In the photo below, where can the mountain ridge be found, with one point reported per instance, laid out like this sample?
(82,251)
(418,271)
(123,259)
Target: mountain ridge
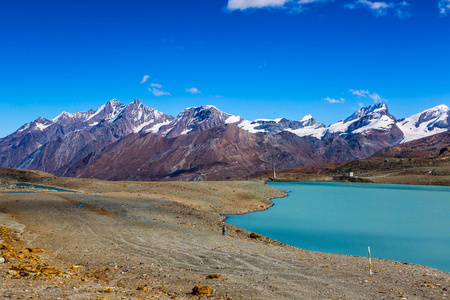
(71,143)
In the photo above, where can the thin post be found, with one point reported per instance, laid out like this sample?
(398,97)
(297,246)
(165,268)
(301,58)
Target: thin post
(273,167)
(370,264)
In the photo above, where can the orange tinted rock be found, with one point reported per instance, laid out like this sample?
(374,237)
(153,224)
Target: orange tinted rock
(201,290)
(50,271)
(35,250)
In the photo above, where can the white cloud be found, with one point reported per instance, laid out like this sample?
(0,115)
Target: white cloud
(193,90)
(257,4)
(376,98)
(156,85)
(365,94)
(156,91)
(331,100)
(444,7)
(145,78)
(244,4)
(360,93)
(382,8)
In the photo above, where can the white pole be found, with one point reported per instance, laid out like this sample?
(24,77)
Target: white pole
(370,264)
(273,166)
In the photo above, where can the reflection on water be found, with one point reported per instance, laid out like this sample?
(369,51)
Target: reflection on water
(399,222)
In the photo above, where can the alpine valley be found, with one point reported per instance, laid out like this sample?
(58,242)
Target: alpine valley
(136,142)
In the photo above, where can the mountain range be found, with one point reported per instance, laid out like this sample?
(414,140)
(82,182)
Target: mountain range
(136,142)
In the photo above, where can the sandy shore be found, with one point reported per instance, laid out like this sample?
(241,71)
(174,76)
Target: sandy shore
(131,240)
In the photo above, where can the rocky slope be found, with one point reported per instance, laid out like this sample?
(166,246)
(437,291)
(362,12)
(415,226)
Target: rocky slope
(434,145)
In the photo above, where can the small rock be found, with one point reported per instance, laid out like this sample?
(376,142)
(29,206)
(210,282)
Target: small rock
(35,250)
(142,288)
(107,290)
(255,235)
(213,276)
(201,290)
(50,271)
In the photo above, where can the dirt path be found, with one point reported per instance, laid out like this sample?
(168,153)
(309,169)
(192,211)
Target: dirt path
(165,238)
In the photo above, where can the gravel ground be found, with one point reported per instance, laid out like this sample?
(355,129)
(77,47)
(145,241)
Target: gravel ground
(135,240)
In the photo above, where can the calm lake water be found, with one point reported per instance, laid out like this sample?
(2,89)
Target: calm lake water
(399,222)
(36,186)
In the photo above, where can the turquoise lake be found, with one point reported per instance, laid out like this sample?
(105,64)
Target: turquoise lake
(399,222)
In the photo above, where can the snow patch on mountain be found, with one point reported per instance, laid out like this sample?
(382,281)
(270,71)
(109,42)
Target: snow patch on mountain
(78,116)
(315,130)
(157,127)
(25,127)
(250,126)
(186,131)
(97,112)
(375,111)
(233,119)
(306,118)
(41,126)
(382,123)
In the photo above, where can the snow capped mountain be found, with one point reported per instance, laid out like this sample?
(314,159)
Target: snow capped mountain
(374,117)
(136,114)
(306,126)
(308,120)
(66,118)
(197,118)
(309,127)
(372,111)
(74,141)
(107,112)
(38,124)
(426,123)
(70,135)
(141,117)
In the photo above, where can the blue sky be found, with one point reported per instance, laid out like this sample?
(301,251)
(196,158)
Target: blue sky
(253,58)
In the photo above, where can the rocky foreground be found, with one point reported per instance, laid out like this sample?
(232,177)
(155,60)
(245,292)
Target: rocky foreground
(129,240)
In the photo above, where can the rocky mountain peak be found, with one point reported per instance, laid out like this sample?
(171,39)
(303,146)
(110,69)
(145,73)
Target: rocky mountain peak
(372,111)
(433,113)
(306,118)
(143,118)
(41,120)
(308,121)
(197,118)
(66,118)
(107,112)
